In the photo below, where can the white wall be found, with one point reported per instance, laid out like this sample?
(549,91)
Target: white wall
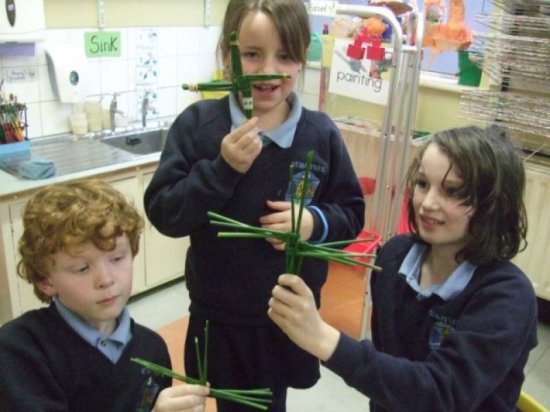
(185,55)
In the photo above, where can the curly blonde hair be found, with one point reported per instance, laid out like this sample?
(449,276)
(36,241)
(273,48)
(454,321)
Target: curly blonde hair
(60,217)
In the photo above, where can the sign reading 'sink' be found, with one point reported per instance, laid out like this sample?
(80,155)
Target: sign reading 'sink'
(102,44)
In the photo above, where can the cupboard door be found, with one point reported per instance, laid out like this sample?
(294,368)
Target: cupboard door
(131,190)
(535,260)
(26,299)
(164,256)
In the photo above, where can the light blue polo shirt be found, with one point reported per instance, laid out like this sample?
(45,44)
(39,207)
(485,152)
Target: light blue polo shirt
(282,135)
(111,346)
(452,286)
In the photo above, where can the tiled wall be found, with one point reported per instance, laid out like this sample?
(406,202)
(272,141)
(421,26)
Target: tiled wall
(308,88)
(185,55)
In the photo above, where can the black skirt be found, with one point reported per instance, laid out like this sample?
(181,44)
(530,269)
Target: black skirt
(245,357)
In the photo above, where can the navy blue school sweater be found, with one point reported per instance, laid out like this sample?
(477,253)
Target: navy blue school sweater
(465,354)
(230,280)
(46,366)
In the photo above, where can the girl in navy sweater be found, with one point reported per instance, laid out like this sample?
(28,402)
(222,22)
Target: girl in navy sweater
(217,160)
(453,319)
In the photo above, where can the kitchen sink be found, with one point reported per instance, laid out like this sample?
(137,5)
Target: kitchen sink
(72,155)
(141,142)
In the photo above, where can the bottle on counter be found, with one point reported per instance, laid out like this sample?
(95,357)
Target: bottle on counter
(78,120)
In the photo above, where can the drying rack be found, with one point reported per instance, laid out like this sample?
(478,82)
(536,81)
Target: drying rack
(519,99)
(397,126)
(400,109)
(515,54)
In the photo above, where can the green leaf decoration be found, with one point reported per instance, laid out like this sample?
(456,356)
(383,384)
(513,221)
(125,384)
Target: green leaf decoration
(239,82)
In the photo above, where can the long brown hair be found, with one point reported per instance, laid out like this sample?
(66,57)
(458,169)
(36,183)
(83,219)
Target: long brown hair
(494,183)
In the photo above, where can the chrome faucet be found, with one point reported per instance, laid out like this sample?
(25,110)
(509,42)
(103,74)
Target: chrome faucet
(113,110)
(146,108)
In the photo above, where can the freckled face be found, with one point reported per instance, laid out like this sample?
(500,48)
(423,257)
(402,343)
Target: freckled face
(93,283)
(442,218)
(263,53)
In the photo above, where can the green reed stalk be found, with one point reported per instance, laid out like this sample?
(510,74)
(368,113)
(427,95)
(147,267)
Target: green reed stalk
(256,398)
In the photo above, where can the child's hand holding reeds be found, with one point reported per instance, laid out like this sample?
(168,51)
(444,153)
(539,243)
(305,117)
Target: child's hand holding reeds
(281,220)
(182,398)
(292,307)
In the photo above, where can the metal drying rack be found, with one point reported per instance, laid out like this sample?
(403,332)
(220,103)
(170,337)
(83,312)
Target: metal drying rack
(515,54)
(397,127)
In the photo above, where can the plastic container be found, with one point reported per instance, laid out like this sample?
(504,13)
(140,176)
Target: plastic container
(79,123)
(92,106)
(315,48)
(368,246)
(8,150)
(469,74)
(94,121)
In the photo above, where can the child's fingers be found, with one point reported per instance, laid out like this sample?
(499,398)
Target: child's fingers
(182,398)
(278,205)
(293,282)
(248,126)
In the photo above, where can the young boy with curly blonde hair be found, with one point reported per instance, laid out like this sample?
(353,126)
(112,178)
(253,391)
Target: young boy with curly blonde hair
(77,250)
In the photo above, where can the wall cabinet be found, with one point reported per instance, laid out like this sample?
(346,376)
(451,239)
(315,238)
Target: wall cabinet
(160,259)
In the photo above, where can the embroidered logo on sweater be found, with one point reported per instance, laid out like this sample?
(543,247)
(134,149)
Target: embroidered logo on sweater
(443,325)
(297,184)
(438,332)
(149,392)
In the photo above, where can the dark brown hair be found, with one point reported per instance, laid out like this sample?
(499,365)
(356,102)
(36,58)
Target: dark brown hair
(289,16)
(494,183)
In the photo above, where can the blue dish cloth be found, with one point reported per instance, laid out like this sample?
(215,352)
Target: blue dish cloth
(37,168)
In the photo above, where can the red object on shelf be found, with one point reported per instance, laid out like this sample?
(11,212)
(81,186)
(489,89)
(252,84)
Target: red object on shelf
(376,53)
(355,52)
(368,184)
(372,240)
(362,37)
(403,220)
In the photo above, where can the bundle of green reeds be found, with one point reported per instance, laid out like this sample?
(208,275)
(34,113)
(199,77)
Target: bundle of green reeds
(256,398)
(295,248)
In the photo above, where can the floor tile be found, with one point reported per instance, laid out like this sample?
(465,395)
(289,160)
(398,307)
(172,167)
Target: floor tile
(537,384)
(163,306)
(330,394)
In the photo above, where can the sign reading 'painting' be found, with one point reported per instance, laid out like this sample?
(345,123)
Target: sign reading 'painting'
(359,79)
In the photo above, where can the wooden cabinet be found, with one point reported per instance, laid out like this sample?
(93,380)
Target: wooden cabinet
(160,259)
(130,187)
(164,256)
(21,296)
(535,259)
